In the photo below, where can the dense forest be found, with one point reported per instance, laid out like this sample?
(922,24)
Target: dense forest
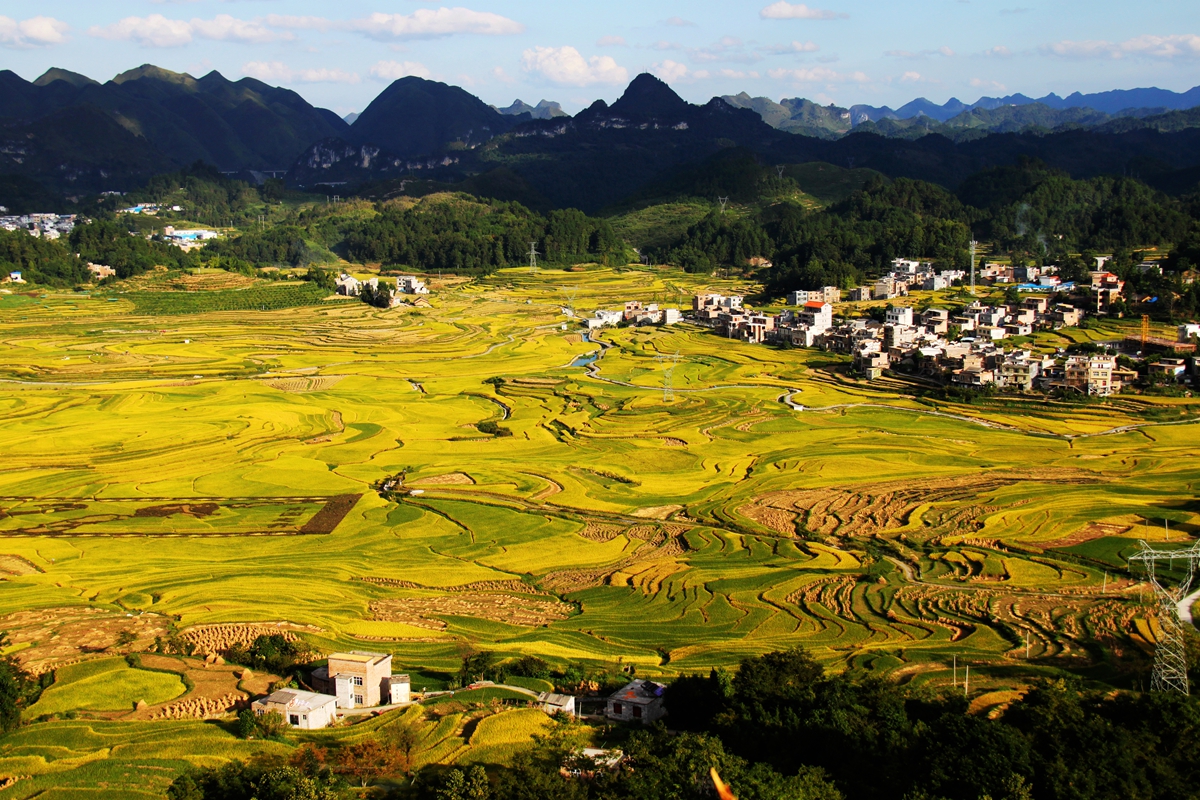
(781,729)
(1026,212)
(476,237)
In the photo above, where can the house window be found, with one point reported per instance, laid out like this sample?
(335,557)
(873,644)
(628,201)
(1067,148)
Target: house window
(358,699)
(637,712)
(358,680)
(293,719)
(617,708)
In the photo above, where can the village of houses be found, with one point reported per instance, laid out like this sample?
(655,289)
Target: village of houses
(963,346)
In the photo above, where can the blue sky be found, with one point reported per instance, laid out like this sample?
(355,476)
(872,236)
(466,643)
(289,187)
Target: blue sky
(340,55)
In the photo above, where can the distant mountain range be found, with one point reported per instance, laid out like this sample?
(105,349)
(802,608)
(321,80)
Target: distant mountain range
(75,135)
(798,115)
(546,109)
(149,119)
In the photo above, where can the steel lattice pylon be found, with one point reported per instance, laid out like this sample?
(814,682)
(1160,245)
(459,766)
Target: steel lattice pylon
(1170,653)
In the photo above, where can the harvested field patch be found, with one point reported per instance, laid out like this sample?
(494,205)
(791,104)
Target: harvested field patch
(302,385)
(216,639)
(166,516)
(202,707)
(15,565)
(657,512)
(423,612)
(58,636)
(876,508)
(601,532)
(573,580)
(449,479)
(671,441)
(514,586)
(778,520)
(1089,532)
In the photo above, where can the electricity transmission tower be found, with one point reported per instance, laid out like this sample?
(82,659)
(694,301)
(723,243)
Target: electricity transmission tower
(672,361)
(533,254)
(571,292)
(1170,653)
(779,170)
(724,201)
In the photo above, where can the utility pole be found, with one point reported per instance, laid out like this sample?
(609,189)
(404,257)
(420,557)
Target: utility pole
(956,670)
(967,682)
(973,245)
(723,201)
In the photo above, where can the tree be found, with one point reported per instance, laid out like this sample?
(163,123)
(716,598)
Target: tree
(465,785)
(402,742)
(477,665)
(16,688)
(271,725)
(363,760)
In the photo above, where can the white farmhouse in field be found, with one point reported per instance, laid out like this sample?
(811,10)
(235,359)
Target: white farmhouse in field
(307,711)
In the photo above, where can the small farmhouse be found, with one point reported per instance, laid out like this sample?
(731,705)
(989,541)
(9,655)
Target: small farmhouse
(307,711)
(639,701)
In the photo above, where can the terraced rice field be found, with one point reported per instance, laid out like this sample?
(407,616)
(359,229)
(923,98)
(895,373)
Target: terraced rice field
(145,457)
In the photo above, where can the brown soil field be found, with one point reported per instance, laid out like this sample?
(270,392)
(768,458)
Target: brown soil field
(671,441)
(331,515)
(422,612)
(449,479)
(59,636)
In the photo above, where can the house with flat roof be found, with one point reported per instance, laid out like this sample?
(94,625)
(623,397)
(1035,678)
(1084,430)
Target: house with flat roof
(638,701)
(361,679)
(307,711)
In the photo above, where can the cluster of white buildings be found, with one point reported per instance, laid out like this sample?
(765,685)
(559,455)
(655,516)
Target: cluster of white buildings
(406,285)
(348,681)
(149,209)
(46,226)
(634,313)
(907,275)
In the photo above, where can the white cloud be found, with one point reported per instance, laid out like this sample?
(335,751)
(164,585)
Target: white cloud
(278,72)
(611,41)
(999,51)
(1185,45)
(158,31)
(940,51)
(428,23)
(567,66)
(910,77)
(991,86)
(818,75)
(785,10)
(793,47)
(680,22)
(499,74)
(395,70)
(224,27)
(32,32)
(738,74)
(671,71)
